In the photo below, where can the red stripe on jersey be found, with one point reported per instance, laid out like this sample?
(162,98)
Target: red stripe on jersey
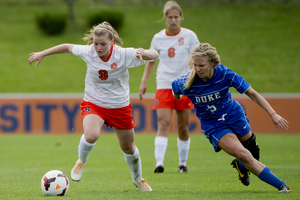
(111,50)
(174,34)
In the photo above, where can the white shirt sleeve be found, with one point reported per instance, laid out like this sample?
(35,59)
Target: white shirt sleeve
(81,51)
(193,41)
(131,60)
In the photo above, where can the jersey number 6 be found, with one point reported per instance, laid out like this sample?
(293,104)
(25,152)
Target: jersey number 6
(171,52)
(103,74)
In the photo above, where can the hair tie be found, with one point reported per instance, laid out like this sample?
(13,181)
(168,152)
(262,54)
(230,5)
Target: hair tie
(103,29)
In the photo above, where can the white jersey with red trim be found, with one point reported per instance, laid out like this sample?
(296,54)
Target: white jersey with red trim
(174,51)
(107,82)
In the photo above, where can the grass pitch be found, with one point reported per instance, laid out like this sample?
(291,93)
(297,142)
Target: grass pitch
(26,158)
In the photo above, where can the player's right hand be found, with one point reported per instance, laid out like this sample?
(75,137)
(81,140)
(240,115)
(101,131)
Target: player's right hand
(143,89)
(35,56)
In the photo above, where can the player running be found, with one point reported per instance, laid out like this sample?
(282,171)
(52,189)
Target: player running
(106,96)
(223,120)
(174,45)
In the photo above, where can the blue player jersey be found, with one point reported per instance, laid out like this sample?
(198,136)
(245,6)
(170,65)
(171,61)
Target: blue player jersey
(212,99)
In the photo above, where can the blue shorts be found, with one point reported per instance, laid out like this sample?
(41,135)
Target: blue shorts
(235,122)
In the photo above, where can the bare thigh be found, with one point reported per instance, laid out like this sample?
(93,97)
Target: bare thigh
(126,140)
(92,125)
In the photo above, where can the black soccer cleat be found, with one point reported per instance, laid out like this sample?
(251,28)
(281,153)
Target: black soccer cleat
(182,168)
(284,189)
(159,169)
(243,176)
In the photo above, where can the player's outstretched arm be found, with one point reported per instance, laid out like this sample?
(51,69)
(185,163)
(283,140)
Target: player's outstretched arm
(278,121)
(147,72)
(149,54)
(39,56)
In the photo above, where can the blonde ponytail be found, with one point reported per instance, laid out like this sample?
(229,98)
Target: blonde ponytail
(102,29)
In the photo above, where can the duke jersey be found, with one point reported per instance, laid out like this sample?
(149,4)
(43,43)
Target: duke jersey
(174,51)
(107,82)
(212,99)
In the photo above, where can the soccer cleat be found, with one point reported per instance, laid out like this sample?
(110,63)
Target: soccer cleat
(76,172)
(284,189)
(142,185)
(243,176)
(159,169)
(182,168)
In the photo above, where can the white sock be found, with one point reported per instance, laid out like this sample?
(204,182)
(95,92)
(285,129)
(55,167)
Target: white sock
(160,144)
(84,149)
(135,164)
(183,150)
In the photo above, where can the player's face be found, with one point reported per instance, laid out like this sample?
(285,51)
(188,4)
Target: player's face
(173,20)
(102,46)
(203,67)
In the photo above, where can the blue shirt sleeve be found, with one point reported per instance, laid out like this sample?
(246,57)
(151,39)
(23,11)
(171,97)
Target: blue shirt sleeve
(176,87)
(240,84)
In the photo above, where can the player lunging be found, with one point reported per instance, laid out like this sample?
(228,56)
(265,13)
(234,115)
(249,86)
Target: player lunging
(223,120)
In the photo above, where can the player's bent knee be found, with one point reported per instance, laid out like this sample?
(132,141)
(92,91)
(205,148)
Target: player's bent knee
(128,150)
(91,137)
(183,131)
(252,146)
(244,157)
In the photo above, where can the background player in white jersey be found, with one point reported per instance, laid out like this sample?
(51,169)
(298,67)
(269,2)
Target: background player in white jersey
(106,96)
(174,45)
(223,120)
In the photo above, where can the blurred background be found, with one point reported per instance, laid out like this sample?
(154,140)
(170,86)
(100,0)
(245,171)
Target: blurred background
(259,39)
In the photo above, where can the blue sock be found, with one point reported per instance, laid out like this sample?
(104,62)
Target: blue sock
(242,167)
(267,176)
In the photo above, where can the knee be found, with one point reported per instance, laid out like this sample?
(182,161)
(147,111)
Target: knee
(163,124)
(252,146)
(183,130)
(244,156)
(91,136)
(128,150)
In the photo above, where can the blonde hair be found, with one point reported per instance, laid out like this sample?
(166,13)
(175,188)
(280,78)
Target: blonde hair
(172,5)
(203,49)
(102,29)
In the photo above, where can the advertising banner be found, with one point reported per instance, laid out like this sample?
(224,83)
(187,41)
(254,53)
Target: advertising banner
(60,114)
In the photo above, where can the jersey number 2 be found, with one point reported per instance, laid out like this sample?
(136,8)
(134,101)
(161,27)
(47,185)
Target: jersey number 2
(103,74)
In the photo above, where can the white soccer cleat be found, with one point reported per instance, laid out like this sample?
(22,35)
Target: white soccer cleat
(142,185)
(76,172)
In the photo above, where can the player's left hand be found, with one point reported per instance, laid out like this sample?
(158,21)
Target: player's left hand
(280,122)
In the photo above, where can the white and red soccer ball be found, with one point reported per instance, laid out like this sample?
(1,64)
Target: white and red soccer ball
(55,183)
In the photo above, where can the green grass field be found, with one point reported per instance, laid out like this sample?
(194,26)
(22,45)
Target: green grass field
(258,41)
(26,158)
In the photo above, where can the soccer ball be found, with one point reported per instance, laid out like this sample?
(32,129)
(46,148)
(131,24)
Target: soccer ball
(55,183)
